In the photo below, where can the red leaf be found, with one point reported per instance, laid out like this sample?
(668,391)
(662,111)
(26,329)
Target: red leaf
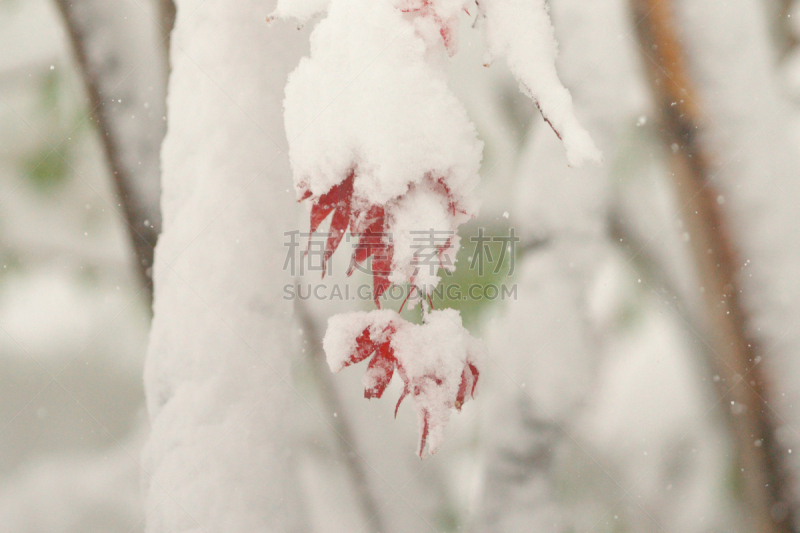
(369,244)
(364,348)
(319,212)
(447,37)
(475,376)
(462,389)
(370,230)
(400,399)
(441,187)
(425,427)
(339,196)
(369,227)
(339,223)
(372,221)
(469,379)
(380,371)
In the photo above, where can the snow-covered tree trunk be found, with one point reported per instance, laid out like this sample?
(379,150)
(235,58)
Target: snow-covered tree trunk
(543,344)
(220,454)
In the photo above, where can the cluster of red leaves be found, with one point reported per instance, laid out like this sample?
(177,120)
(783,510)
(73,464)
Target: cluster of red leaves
(368,225)
(383,364)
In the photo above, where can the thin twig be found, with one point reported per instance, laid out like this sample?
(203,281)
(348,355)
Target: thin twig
(168,14)
(142,229)
(346,442)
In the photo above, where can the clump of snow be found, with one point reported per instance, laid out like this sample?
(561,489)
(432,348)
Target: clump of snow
(301,10)
(372,101)
(377,138)
(433,356)
(437,361)
(520,31)
(424,237)
(368,98)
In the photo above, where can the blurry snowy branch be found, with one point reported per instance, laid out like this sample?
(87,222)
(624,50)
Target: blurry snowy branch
(653,268)
(222,450)
(735,354)
(544,346)
(126,84)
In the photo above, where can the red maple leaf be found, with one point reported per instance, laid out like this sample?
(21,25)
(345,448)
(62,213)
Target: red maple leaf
(381,369)
(368,225)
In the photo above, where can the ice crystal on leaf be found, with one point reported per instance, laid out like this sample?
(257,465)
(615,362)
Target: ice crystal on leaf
(437,362)
(379,143)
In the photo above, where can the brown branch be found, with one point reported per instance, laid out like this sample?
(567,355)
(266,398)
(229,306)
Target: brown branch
(168,14)
(346,437)
(735,355)
(142,229)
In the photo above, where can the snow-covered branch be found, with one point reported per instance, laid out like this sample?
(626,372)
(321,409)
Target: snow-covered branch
(543,345)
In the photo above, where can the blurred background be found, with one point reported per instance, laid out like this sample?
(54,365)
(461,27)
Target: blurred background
(648,290)
(75,315)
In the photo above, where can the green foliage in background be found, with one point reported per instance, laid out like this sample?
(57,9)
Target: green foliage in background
(455,286)
(454,289)
(48,165)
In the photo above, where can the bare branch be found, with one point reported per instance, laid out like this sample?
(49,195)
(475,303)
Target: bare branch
(348,447)
(168,14)
(113,79)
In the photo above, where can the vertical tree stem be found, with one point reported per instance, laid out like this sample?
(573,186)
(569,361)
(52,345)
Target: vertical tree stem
(346,437)
(143,235)
(779,12)
(168,13)
(735,356)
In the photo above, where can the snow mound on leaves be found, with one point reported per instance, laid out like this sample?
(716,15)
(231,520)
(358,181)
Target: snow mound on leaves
(368,99)
(341,339)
